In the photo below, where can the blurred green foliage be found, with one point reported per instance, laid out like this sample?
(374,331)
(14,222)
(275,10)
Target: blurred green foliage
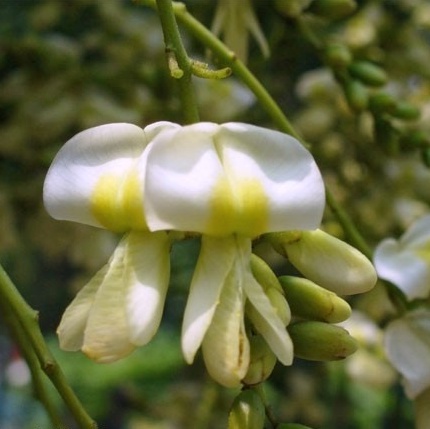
(66,65)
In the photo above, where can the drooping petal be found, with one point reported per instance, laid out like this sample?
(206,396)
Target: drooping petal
(106,335)
(261,312)
(231,178)
(407,344)
(121,307)
(72,326)
(147,268)
(215,262)
(406,262)
(97,177)
(331,263)
(225,347)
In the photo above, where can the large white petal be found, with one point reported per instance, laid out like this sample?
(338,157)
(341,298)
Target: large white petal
(286,171)
(418,234)
(225,347)
(147,269)
(182,168)
(215,262)
(407,344)
(97,176)
(331,263)
(231,178)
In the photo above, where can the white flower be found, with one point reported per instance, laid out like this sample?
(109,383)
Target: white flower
(406,262)
(97,178)
(230,182)
(407,344)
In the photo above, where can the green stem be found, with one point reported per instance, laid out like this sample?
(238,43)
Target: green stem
(179,64)
(26,320)
(30,357)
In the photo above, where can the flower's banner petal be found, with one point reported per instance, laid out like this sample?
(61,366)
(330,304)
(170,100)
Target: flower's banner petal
(213,266)
(72,326)
(287,172)
(402,267)
(107,333)
(331,263)
(231,178)
(147,270)
(182,168)
(407,344)
(80,163)
(97,176)
(225,347)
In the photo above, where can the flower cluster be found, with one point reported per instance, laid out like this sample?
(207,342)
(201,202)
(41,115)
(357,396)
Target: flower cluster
(229,183)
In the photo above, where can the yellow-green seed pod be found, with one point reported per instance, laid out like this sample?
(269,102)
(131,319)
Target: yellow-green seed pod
(273,289)
(262,361)
(337,56)
(292,426)
(369,73)
(356,95)
(247,411)
(406,111)
(333,9)
(319,341)
(309,301)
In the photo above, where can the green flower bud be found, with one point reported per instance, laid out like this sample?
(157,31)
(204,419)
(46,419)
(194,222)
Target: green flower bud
(382,102)
(415,139)
(368,73)
(337,56)
(310,301)
(262,361)
(406,111)
(356,95)
(247,411)
(273,289)
(333,9)
(321,341)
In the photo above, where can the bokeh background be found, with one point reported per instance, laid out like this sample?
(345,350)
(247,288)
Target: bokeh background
(67,65)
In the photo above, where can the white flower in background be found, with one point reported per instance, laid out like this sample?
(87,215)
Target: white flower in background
(406,262)
(234,19)
(407,344)
(231,183)
(97,178)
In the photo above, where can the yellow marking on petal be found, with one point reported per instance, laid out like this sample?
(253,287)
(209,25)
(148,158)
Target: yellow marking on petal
(118,203)
(243,210)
